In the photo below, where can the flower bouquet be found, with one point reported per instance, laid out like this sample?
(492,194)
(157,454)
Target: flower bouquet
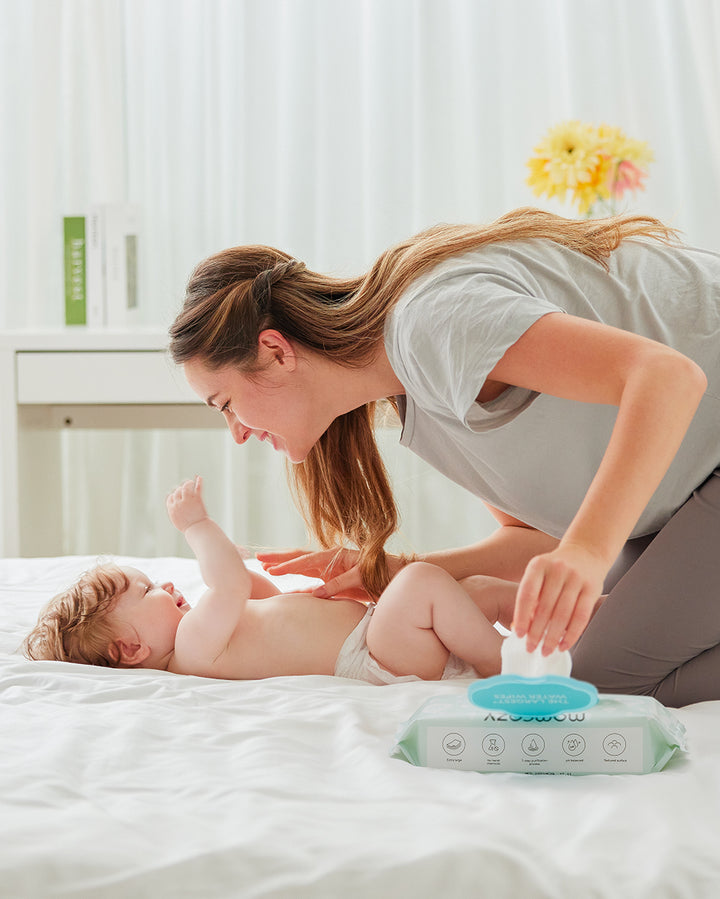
(596,164)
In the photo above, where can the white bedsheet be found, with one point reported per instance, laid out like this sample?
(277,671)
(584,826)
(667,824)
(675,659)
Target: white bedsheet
(149,784)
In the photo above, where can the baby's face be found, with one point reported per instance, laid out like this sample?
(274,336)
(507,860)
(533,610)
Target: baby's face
(153,610)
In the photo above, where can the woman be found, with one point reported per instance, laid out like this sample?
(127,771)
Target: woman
(565,371)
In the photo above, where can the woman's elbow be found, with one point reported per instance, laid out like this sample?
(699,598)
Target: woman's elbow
(683,378)
(694,378)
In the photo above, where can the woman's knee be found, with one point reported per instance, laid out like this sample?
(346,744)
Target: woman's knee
(612,668)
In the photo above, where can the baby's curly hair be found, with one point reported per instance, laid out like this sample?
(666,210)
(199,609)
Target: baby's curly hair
(74,625)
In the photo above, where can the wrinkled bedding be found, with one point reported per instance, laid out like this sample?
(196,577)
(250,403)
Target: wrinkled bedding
(150,784)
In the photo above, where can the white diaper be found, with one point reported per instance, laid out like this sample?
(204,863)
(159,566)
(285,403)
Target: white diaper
(355,660)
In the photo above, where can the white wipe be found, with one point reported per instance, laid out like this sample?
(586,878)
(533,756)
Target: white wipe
(517,660)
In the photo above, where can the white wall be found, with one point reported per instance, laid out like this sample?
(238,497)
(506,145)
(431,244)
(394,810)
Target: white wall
(331,129)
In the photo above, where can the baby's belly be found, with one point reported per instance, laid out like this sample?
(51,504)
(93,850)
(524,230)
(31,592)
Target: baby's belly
(293,634)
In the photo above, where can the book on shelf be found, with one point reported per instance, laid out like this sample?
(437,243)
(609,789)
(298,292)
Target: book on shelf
(111,265)
(75,269)
(95,269)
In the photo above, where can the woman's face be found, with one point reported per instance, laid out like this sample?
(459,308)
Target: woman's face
(274,405)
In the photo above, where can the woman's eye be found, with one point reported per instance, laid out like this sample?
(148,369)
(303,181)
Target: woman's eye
(226,407)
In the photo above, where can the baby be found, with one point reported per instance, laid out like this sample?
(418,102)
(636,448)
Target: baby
(424,624)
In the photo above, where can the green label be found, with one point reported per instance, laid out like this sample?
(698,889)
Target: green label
(74,243)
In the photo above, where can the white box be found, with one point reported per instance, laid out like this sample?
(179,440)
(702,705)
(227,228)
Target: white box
(121,234)
(96,314)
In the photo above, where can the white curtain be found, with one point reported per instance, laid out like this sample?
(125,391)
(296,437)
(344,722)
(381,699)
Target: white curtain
(330,128)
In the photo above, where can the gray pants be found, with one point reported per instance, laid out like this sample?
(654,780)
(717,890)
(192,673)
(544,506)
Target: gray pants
(658,631)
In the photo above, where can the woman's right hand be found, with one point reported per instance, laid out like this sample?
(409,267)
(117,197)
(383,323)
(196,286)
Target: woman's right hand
(337,568)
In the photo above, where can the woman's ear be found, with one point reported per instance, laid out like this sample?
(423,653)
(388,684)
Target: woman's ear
(128,653)
(273,347)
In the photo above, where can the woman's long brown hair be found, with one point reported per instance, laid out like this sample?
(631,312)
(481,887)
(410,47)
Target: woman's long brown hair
(342,487)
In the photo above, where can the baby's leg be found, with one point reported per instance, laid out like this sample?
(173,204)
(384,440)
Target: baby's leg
(493,596)
(423,616)
(496,598)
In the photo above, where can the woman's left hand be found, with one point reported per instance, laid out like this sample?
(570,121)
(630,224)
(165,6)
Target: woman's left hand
(337,567)
(557,596)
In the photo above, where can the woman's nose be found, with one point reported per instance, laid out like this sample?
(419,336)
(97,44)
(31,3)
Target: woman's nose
(168,587)
(238,431)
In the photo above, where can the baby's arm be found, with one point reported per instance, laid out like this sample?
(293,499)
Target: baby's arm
(217,613)
(262,586)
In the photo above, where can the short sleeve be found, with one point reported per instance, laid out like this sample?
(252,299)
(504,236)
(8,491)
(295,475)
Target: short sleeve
(447,336)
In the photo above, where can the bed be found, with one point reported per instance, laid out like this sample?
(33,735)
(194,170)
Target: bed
(150,784)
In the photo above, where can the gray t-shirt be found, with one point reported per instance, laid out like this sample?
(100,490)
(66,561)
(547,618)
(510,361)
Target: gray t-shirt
(532,455)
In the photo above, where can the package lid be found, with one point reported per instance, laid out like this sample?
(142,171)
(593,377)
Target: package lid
(530,697)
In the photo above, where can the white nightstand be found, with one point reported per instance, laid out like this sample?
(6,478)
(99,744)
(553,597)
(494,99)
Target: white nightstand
(82,379)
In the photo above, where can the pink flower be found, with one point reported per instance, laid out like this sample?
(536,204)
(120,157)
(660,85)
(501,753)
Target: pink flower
(627,177)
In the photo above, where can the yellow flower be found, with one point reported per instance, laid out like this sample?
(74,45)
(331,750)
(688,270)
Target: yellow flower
(616,144)
(597,187)
(541,182)
(566,157)
(595,164)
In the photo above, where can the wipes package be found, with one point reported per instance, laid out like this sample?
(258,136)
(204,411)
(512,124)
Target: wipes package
(618,735)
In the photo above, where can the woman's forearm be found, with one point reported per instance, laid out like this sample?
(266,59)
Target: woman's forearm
(504,554)
(656,409)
